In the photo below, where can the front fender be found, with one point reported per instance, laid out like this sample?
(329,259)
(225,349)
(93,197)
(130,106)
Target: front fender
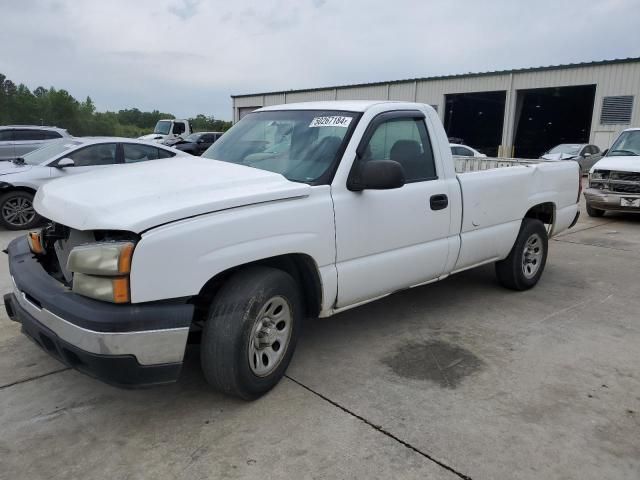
(178,259)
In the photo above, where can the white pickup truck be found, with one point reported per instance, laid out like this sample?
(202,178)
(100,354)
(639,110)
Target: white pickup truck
(169,129)
(301,210)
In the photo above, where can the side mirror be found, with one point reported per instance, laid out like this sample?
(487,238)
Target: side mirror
(65,162)
(379,175)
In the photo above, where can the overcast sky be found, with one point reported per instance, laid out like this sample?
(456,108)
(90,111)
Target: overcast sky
(189,56)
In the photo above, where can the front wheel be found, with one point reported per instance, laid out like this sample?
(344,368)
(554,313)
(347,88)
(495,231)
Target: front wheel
(251,332)
(594,212)
(17,212)
(523,267)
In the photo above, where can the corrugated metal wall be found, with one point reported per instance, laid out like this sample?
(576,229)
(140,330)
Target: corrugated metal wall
(611,79)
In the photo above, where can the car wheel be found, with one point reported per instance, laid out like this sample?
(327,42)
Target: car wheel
(251,332)
(523,267)
(17,212)
(594,212)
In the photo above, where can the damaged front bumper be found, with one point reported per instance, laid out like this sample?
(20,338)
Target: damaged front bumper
(125,345)
(611,201)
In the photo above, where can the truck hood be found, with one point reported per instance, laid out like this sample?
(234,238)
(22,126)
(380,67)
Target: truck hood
(140,196)
(8,167)
(621,164)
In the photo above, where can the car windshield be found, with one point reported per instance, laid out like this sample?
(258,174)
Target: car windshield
(627,144)
(163,127)
(194,137)
(302,145)
(566,148)
(49,152)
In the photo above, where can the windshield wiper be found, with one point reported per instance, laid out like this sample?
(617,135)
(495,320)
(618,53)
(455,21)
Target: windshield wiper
(18,161)
(625,152)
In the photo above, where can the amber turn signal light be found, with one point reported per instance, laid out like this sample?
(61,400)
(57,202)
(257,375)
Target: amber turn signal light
(35,242)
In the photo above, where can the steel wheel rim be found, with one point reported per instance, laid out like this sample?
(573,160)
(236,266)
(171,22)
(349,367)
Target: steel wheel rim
(532,256)
(270,336)
(18,211)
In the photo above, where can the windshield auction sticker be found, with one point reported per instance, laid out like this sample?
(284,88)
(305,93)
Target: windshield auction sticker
(335,121)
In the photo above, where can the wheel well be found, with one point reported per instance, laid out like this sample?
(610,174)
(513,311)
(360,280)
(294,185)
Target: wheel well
(300,266)
(545,212)
(17,189)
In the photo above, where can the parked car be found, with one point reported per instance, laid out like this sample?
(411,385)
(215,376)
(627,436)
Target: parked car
(464,151)
(196,143)
(18,140)
(239,247)
(586,155)
(20,178)
(168,129)
(614,182)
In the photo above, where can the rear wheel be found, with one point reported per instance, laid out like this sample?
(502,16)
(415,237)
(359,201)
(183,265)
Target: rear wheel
(251,332)
(594,212)
(523,267)
(17,212)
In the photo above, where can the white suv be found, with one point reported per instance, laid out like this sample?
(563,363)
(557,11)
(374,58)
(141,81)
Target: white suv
(18,140)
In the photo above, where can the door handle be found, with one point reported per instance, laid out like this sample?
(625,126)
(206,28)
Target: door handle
(439,202)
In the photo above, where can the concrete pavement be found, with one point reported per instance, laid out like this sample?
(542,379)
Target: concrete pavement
(459,379)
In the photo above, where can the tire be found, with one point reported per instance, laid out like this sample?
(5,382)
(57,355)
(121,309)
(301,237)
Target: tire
(522,269)
(16,211)
(594,212)
(240,353)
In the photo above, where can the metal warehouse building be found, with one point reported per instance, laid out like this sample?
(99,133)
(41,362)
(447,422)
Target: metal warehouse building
(518,113)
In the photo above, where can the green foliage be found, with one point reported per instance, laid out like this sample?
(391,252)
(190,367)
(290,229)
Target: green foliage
(18,105)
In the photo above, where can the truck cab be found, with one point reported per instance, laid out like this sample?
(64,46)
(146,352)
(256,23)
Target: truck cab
(168,129)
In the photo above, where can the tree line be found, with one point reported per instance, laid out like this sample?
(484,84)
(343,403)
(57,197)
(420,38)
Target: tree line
(19,105)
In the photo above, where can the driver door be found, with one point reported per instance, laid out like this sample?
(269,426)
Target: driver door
(388,240)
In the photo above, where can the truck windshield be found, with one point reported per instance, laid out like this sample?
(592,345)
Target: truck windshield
(302,145)
(627,144)
(49,152)
(163,127)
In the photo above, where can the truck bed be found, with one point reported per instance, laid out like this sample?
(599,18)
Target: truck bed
(496,198)
(475,164)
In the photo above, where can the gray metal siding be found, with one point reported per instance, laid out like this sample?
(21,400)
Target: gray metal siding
(375,92)
(610,78)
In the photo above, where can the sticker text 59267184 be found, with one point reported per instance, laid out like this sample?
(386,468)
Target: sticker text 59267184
(333,121)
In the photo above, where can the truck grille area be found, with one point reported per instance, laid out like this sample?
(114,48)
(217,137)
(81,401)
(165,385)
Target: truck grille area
(619,182)
(625,176)
(625,187)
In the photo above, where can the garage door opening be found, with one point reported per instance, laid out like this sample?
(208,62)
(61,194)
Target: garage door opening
(476,119)
(244,111)
(545,117)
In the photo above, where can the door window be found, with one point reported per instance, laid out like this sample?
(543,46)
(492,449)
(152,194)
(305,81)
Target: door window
(134,153)
(404,140)
(26,135)
(178,128)
(6,135)
(461,151)
(94,155)
(50,135)
(162,153)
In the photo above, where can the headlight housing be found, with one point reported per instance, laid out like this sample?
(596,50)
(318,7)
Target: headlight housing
(101,270)
(599,179)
